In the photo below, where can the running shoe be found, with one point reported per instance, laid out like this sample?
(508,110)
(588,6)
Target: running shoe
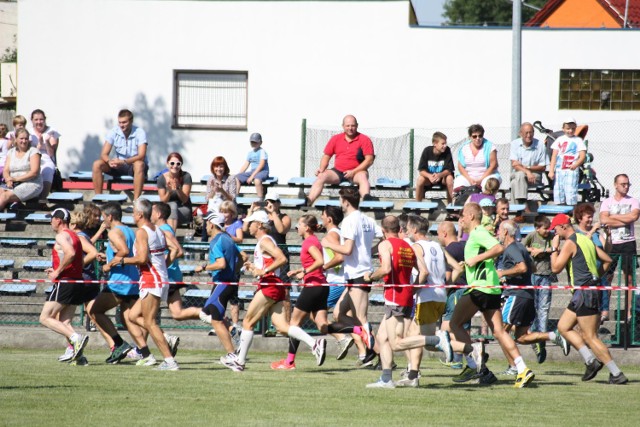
(80,361)
(173,342)
(134,354)
(478,355)
(168,366)
(147,361)
(445,345)
(381,384)
(592,370)
(562,342)
(206,318)
(540,349)
(367,338)
(344,344)
(282,365)
(67,356)
(618,379)
(319,350)
(235,336)
(119,353)
(511,371)
(231,362)
(486,377)
(367,360)
(467,374)
(79,345)
(405,374)
(524,379)
(406,382)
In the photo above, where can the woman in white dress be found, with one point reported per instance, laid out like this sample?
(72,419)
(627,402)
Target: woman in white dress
(21,172)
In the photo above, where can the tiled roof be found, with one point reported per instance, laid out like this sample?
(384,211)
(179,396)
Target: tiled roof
(615,8)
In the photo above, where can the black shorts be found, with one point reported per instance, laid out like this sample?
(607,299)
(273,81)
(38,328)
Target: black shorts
(585,303)
(398,311)
(340,175)
(216,304)
(518,311)
(175,288)
(313,299)
(90,292)
(484,301)
(360,281)
(627,252)
(67,293)
(122,298)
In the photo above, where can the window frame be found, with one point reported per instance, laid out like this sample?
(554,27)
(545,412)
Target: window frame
(583,89)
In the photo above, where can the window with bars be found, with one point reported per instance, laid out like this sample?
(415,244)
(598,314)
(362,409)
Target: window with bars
(599,90)
(210,99)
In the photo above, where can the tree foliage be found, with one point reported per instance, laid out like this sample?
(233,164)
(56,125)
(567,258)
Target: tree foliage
(486,12)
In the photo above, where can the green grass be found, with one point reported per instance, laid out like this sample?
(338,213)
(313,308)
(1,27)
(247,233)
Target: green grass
(35,389)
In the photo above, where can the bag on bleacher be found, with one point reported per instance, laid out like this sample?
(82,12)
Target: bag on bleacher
(56,184)
(466,192)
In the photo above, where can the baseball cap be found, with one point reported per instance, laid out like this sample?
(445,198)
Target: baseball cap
(215,218)
(486,203)
(255,137)
(259,216)
(272,195)
(569,120)
(559,219)
(61,213)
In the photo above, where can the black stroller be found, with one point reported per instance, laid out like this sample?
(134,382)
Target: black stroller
(592,189)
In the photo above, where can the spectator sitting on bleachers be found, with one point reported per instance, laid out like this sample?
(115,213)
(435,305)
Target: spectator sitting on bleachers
(47,143)
(174,189)
(5,145)
(354,155)
(477,160)
(257,163)
(220,186)
(130,143)
(21,172)
(528,161)
(435,167)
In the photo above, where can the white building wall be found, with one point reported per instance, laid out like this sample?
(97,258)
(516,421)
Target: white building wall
(314,60)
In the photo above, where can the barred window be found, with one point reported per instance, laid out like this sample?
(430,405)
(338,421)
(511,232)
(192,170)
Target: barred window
(599,90)
(210,99)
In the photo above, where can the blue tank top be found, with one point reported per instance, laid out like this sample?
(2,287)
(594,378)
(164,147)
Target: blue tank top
(88,270)
(127,273)
(175,275)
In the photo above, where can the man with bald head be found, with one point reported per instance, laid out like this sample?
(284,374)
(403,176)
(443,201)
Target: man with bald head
(528,162)
(354,155)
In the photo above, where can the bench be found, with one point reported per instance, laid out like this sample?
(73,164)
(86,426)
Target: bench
(18,243)
(272,180)
(6,264)
(38,217)
(64,197)
(364,205)
(513,208)
(187,270)
(245,296)
(284,202)
(37,265)
(128,220)
(293,249)
(420,206)
(17,289)
(307,181)
(555,209)
(527,229)
(104,198)
(392,184)
(7,216)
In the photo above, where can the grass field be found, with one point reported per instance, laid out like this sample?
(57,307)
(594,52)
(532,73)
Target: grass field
(35,389)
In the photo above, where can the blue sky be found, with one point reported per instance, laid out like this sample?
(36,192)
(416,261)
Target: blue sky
(428,12)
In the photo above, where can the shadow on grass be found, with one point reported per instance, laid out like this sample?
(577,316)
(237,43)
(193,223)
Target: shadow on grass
(34,387)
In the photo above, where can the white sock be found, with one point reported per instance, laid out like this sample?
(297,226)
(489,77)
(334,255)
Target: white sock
(297,333)
(170,360)
(75,337)
(613,368)
(552,336)
(367,326)
(586,354)
(246,337)
(520,365)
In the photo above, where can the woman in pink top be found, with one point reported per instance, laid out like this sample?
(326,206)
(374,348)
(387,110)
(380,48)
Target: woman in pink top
(477,160)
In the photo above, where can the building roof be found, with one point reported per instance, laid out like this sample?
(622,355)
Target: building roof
(615,8)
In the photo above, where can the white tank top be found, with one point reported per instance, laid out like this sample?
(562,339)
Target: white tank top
(153,274)
(262,261)
(437,266)
(334,274)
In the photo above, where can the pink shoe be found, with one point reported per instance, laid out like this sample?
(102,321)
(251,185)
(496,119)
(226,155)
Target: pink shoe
(282,365)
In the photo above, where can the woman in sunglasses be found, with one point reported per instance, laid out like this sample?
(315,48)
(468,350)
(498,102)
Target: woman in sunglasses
(477,160)
(174,188)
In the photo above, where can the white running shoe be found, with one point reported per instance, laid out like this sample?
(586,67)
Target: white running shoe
(231,362)
(381,384)
(477,355)
(166,366)
(67,356)
(445,345)
(206,318)
(134,355)
(319,350)
(147,361)
(173,342)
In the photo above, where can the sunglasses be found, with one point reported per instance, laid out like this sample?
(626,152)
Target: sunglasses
(476,136)
(178,164)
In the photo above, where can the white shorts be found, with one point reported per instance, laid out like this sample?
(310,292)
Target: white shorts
(162,293)
(47,168)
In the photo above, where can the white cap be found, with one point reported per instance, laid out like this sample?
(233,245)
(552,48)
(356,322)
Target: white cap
(215,218)
(569,120)
(272,195)
(259,216)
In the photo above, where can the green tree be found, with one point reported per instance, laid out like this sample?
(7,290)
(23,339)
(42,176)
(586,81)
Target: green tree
(10,53)
(486,12)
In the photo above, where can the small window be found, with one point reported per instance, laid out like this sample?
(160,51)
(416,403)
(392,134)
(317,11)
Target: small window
(599,90)
(210,99)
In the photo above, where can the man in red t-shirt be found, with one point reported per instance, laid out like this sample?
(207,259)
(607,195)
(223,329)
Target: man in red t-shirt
(354,155)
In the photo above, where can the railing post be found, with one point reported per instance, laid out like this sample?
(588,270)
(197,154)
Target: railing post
(411,153)
(303,146)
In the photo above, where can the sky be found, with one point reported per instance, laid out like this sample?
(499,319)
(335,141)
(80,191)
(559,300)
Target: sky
(429,12)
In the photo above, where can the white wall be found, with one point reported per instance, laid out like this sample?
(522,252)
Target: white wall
(8,25)
(314,60)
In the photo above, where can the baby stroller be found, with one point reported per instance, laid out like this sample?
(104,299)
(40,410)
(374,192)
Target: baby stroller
(593,190)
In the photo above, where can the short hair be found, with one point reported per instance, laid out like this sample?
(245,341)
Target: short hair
(114,209)
(176,155)
(448,226)
(402,220)
(510,226)
(473,208)
(335,213)
(502,201)
(583,209)
(476,128)
(310,221)
(80,219)
(541,221)
(438,135)
(4,129)
(229,206)
(217,161)
(163,209)
(420,223)
(492,185)
(391,224)
(19,120)
(143,206)
(351,195)
(38,111)
(624,175)
(125,113)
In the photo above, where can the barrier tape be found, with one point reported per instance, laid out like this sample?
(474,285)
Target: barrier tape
(371,285)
